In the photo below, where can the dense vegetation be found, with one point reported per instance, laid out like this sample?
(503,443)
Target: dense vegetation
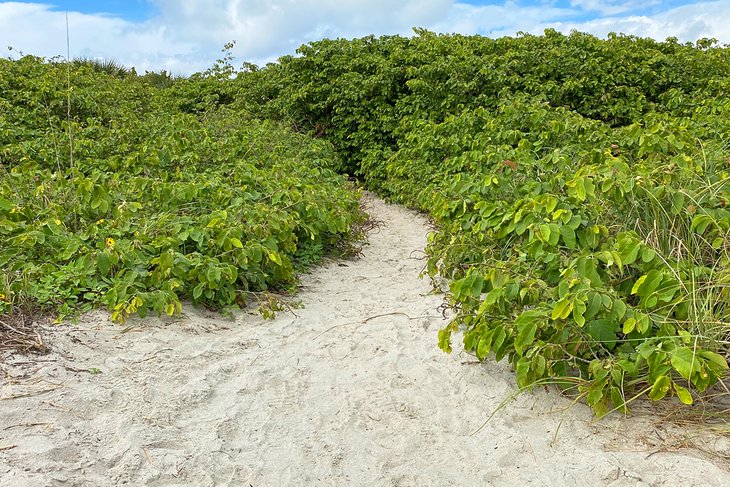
(579,187)
(124,199)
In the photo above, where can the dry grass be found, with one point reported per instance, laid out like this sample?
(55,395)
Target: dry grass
(20,332)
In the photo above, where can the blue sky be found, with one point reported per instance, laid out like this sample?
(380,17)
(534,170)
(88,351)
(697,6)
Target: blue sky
(132,10)
(184,36)
(138,10)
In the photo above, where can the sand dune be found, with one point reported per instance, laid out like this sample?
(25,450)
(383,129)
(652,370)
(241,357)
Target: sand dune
(350,391)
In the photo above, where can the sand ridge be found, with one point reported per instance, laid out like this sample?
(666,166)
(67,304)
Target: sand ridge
(351,390)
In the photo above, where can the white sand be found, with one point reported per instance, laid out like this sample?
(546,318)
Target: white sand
(330,397)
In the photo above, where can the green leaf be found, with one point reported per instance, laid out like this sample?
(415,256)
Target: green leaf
(627,366)
(497,278)
(618,400)
(700,223)
(594,305)
(498,339)
(470,340)
(476,286)
(647,254)
(628,248)
(579,190)
(595,392)
(539,365)
(717,360)
(525,335)
(483,347)
(667,290)
(617,259)
(660,387)
(650,284)
(522,372)
(568,235)
(677,203)
(684,360)
(554,234)
(444,341)
(456,286)
(492,297)
(619,309)
(579,309)
(70,249)
(606,257)
(542,232)
(213,275)
(236,243)
(603,331)
(103,261)
(575,222)
(643,323)
(166,260)
(550,203)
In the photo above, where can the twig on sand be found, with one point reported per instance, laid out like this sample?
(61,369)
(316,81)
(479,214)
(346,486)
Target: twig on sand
(152,355)
(91,371)
(362,322)
(423,256)
(54,405)
(26,425)
(29,394)
(147,456)
(9,447)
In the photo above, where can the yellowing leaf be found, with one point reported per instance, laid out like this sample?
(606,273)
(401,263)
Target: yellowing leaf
(274,257)
(562,309)
(638,284)
(683,394)
(660,387)
(629,326)
(578,313)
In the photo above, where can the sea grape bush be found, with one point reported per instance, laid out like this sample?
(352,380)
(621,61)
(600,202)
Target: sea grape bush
(579,187)
(578,259)
(133,204)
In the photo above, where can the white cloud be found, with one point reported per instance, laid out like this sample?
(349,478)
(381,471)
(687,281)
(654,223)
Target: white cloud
(187,35)
(687,23)
(35,29)
(613,7)
(262,29)
(488,19)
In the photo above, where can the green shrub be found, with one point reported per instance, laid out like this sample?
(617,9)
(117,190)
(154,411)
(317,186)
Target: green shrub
(579,187)
(132,204)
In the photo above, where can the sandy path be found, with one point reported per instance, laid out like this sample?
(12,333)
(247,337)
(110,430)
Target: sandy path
(325,398)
